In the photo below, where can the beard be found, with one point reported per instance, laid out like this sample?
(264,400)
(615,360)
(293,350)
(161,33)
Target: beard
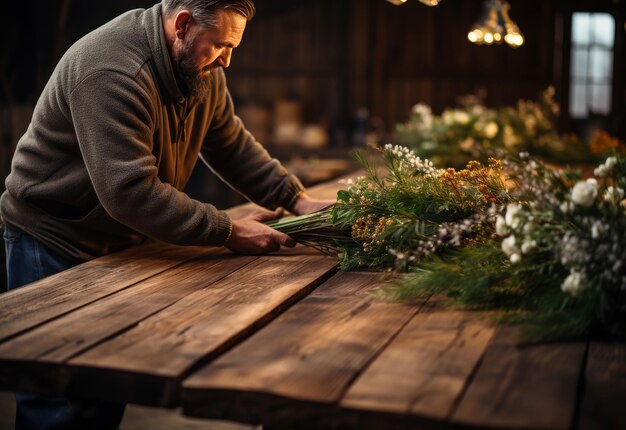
(192,80)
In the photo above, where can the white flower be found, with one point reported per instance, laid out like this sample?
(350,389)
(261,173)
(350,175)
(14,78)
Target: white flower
(600,171)
(491,129)
(422,109)
(565,207)
(512,218)
(461,117)
(610,163)
(509,247)
(515,258)
(613,193)
(585,192)
(597,229)
(573,284)
(528,246)
(501,228)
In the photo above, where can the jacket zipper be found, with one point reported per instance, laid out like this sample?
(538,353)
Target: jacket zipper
(180,136)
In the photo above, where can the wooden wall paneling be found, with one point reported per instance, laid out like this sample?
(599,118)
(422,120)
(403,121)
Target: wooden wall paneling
(358,48)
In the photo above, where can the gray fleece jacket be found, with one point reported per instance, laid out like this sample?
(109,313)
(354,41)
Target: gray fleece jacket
(112,143)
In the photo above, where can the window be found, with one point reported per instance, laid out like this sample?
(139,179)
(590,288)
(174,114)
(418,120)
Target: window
(591,67)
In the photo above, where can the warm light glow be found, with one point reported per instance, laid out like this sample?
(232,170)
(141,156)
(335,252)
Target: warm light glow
(495,25)
(430,2)
(426,2)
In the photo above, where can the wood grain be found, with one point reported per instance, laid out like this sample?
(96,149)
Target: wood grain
(605,387)
(164,347)
(516,386)
(425,369)
(309,355)
(44,300)
(47,347)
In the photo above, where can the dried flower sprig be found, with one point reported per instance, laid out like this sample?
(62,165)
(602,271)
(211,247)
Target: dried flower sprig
(403,215)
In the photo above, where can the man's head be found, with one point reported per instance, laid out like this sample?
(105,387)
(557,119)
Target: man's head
(201,35)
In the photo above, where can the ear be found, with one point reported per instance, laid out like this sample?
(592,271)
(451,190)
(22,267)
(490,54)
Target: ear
(182,23)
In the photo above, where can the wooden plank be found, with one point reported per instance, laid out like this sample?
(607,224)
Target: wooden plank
(146,364)
(44,300)
(425,369)
(605,387)
(49,298)
(531,386)
(46,348)
(306,358)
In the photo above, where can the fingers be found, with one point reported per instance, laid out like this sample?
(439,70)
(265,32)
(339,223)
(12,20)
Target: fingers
(250,236)
(269,215)
(283,240)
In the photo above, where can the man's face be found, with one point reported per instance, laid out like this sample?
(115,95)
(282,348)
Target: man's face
(206,49)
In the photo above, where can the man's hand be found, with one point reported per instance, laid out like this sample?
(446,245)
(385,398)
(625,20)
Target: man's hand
(306,204)
(251,236)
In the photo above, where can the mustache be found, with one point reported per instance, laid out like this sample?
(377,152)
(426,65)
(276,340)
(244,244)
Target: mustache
(210,67)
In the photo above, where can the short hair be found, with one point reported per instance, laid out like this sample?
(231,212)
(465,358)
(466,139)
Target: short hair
(204,11)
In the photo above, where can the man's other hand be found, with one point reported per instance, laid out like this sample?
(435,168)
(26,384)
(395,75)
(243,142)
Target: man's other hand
(306,204)
(251,236)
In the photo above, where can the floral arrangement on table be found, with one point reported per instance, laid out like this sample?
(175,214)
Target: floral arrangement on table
(548,251)
(406,214)
(556,261)
(473,130)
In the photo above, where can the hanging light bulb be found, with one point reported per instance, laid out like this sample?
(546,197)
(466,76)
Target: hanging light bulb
(426,2)
(514,36)
(495,26)
(487,30)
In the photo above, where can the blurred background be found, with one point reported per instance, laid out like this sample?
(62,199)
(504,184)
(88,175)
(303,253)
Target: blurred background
(315,79)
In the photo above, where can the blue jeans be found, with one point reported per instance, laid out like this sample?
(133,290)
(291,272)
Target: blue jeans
(28,260)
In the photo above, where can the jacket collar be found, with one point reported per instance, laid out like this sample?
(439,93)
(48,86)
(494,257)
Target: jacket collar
(160,57)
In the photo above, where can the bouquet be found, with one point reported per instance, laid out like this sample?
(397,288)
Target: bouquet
(546,251)
(472,130)
(405,214)
(556,261)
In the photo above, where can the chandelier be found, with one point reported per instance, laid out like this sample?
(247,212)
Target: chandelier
(426,2)
(495,26)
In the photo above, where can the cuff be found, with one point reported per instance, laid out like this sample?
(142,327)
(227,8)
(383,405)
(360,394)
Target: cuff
(224,228)
(294,190)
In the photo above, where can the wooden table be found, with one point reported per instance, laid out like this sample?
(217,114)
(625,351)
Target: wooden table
(289,341)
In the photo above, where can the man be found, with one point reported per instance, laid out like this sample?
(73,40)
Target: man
(112,142)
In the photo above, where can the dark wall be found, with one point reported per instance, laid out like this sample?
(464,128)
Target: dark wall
(340,55)
(335,55)
(422,54)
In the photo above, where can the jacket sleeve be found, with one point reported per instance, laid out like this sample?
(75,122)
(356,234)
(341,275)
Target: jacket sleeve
(114,117)
(241,161)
